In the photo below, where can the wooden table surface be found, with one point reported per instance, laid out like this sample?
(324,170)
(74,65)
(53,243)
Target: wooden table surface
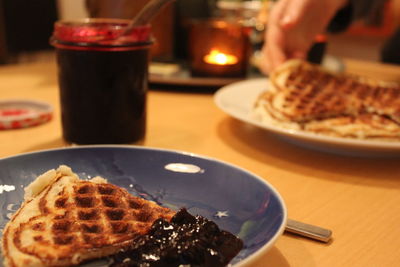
(358,198)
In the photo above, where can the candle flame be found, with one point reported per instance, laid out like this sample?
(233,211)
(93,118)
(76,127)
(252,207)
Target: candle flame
(219,58)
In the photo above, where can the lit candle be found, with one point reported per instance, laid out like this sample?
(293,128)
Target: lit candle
(219,58)
(218,48)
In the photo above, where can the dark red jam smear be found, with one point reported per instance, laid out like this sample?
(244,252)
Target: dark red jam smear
(100,33)
(186,240)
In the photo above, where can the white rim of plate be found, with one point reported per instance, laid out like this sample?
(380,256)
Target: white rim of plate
(294,133)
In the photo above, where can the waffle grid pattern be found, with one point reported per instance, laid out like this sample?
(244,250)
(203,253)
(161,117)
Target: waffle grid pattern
(309,93)
(89,215)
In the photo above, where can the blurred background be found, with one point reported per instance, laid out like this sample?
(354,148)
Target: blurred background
(25,26)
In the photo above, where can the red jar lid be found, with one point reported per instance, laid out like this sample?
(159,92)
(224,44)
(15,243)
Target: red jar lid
(16,114)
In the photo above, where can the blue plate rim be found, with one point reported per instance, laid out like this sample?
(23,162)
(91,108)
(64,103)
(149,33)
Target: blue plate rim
(245,262)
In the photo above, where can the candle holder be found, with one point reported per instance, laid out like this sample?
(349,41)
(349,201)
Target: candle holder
(218,48)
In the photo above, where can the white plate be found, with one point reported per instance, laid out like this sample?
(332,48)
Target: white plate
(237,100)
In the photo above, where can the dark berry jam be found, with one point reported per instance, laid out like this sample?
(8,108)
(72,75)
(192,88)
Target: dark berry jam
(103,82)
(186,240)
(103,95)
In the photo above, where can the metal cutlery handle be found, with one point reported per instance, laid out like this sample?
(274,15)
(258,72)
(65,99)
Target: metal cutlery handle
(308,230)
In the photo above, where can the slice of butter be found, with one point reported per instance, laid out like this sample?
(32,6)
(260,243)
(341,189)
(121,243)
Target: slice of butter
(98,180)
(47,178)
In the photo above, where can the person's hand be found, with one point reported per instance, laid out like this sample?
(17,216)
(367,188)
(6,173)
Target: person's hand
(292,28)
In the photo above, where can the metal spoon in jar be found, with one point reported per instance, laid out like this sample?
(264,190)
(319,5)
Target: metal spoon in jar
(148,12)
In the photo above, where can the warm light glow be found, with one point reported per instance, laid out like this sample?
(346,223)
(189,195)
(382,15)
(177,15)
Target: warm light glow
(219,58)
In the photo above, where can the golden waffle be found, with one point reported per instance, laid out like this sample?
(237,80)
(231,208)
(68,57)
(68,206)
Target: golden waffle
(305,96)
(364,126)
(303,92)
(72,220)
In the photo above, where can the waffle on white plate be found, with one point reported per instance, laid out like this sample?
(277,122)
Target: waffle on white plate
(304,96)
(65,221)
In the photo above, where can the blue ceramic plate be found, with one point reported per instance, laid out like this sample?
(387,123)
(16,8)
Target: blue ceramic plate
(237,200)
